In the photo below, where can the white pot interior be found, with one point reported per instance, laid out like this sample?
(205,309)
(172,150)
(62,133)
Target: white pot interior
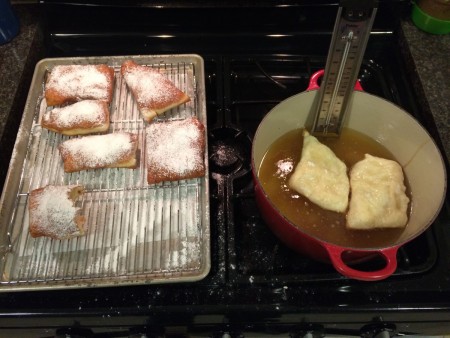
(389,125)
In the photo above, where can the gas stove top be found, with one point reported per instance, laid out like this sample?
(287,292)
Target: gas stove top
(252,86)
(256,284)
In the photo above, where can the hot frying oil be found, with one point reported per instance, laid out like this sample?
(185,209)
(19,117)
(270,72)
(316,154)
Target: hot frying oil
(280,161)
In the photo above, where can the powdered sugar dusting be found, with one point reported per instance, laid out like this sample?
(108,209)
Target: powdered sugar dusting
(186,255)
(54,212)
(152,88)
(159,232)
(87,111)
(174,146)
(98,150)
(80,81)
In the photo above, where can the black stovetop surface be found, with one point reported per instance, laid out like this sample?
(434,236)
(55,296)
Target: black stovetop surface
(254,278)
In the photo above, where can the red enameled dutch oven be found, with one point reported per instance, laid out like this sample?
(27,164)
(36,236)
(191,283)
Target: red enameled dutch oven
(389,125)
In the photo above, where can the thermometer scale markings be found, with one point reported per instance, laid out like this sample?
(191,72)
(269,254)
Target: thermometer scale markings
(336,99)
(352,30)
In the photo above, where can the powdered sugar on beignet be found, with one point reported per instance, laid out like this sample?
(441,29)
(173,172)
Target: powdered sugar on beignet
(115,150)
(154,92)
(71,83)
(80,118)
(53,212)
(175,150)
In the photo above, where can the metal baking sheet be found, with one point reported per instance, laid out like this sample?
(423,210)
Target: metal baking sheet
(138,233)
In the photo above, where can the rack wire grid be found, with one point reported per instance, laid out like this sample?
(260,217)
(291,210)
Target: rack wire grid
(138,233)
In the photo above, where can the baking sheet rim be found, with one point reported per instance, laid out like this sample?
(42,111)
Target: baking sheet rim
(13,180)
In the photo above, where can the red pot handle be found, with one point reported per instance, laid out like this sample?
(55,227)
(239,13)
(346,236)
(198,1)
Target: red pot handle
(389,254)
(313,81)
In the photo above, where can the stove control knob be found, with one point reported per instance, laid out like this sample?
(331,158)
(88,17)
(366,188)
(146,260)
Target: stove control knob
(226,334)
(307,330)
(378,330)
(151,331)
(74,332)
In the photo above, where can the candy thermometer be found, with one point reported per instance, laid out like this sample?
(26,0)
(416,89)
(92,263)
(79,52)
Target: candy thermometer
(350,35)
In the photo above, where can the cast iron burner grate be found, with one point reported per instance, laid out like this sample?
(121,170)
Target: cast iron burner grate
(231,150)
(240,91)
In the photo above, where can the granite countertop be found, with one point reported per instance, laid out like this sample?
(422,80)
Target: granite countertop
(428,57)
(17,61)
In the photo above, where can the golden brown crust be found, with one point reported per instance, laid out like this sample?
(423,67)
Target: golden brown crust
(116,150)
(81,118)
(154,93)
(71,83)
(53,213)
(175,150)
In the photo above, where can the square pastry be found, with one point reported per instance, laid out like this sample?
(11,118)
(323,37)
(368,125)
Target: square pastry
(81,118)
(114,150)
(175,150)
(53,212)
(72,83)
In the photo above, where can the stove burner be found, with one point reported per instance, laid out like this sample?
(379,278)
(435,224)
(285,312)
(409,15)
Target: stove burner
(230,150)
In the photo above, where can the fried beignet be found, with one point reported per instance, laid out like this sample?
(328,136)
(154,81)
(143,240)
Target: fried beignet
(116,150)
(53,212)
(175,150)
(320,176)
(154,93)
(80,118)
(378,198)
(71,83)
